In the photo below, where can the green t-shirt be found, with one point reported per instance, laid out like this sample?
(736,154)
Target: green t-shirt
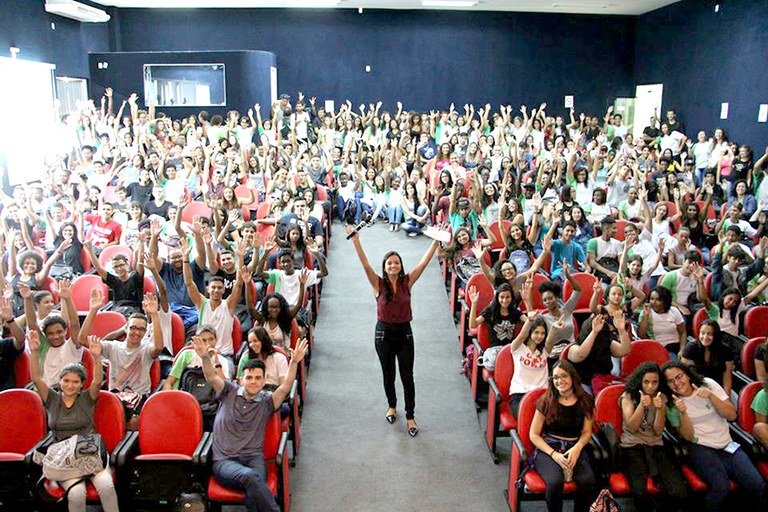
(181,364)
(760,403)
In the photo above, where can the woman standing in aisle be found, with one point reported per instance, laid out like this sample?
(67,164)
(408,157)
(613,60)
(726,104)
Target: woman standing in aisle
(394,338)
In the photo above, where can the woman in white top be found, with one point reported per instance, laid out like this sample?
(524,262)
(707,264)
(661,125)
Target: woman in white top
(663,322)
(700,411)
(530,350)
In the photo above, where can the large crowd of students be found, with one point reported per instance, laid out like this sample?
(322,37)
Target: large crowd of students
(225,221)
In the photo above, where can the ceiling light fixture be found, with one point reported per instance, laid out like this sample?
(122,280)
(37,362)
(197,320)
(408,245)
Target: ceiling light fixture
(448,3)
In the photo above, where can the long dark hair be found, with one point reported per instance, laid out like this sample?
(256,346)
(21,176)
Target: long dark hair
(495,307)
(548,403)
(267,349)
(284,318)
(400,277)
(635,383)
(539,322)
(734,312)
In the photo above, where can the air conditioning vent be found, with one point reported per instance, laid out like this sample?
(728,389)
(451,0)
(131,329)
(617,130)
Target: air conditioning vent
(76,11)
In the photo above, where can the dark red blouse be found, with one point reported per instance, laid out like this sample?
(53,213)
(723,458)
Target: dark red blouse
(397,310)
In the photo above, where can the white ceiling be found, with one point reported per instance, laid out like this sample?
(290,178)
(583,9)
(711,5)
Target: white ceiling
(608,7)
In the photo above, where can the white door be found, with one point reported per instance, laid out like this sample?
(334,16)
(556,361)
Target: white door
(647,103)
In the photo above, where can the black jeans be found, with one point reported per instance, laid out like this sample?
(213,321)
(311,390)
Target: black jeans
(395,341)
(665,475)
(583,476)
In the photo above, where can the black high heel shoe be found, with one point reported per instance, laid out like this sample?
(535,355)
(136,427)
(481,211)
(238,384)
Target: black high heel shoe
(391,418)
(413,431)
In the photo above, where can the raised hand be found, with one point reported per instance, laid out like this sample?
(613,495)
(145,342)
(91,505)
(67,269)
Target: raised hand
(97,299)
(186,250)
(242,248)
(65,289)
(311,244)
(94,346)
(150,263)
(24,290)
(300,351)
(201,348)
(304,276)
(680,405)
(598,322)
(702,392)
(33,341)
(6,308)
(150,304)
(246,275)
(659,401)
(477,250)
(155,227)
(619,322)
(597,287)
(528,287)
(566,268)
(645,400)
(473,294)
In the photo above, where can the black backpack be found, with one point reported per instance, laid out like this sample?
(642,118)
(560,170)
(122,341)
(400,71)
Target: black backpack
(193,382)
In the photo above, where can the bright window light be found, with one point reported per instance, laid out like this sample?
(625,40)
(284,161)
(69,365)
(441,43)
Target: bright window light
(448,3)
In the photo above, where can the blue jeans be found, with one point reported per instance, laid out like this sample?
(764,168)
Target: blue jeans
(395,214)
(716,467)
(412,225)
(343,206)
(247,474)
(360,208)
(188,314)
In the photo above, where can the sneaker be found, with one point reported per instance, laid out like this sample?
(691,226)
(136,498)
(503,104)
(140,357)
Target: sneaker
(413,234)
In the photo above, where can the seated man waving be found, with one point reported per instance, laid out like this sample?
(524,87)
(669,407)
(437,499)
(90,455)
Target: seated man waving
(237,452)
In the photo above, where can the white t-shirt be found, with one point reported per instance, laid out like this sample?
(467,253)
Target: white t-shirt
(223,321)
(531,371)
(664,325)
(129,368)
(57,358)
(288,285)
(165,327)
(709,428)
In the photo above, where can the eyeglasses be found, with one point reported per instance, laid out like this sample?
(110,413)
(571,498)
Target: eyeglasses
(136,328)
(676,378)
(556,378)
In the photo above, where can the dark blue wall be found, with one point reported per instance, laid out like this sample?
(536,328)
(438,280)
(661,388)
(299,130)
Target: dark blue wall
(247,76)
(704,58)
(26,25)
(425,58)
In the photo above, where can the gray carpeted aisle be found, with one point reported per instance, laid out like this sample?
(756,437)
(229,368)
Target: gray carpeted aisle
(351,459)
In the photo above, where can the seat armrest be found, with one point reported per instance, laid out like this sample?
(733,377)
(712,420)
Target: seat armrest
(281,449)
(742,378)
(128,447)
(517,444)
(118,447)
(159,387)
(46,441)
(478,349)
(747,440)
(203,450)
(294,391)
(495,390)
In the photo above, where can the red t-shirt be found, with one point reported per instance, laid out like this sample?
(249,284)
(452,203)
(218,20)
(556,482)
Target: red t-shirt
(102,233)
